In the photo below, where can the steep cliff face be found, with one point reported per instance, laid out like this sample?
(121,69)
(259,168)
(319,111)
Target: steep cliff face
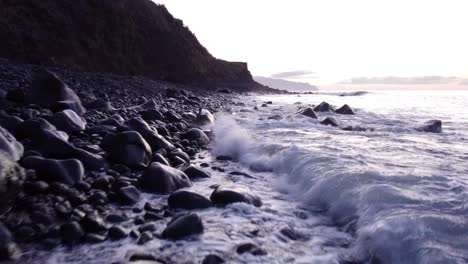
(129,37)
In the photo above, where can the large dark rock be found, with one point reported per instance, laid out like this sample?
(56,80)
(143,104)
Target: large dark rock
(163,179)
(222,196)
(70,105)
(68,171)
(99,104)
(8,249)
(12,177)
(188,200)
(308,112)
(329,121)
(194,172)
(10,146)
(212,259)
(68,121)
(128,148)
(47,89)
(150,134)
(54,147)
(324,107)
(151,114)
(71,232)
(182,226)
(345,110)
(432,126)
(251,248)
(129,194)
(197,135)
(34,129)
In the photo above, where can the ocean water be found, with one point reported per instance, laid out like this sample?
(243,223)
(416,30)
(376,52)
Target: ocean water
(393,193)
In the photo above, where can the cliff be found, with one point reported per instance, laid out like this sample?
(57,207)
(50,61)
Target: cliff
(127,37)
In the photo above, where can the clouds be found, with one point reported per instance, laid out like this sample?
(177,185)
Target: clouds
(300,74)
(418,80)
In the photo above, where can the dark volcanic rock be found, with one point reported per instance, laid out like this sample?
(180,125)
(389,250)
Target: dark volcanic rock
(12,177)
(212,259)
(324,107)
(68,121)
(330,121)
(221,196)
(48,89)
(433,126)
(151,114)
(204,117)
(117,232)
(182,226)
(308,112)
(188,200)
(194,172)
(128,148)
(70,105)
(197,135)
(345,110)
(8,249)
(9,146)
(35,128)
(251,248)
(129,194)
(163,179)
(65,171)
(150,134)
(71,232)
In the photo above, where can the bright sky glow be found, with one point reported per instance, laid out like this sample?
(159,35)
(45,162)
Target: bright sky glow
(336,40)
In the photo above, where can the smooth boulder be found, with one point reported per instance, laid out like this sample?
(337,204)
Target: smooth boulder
(345,110)
(193,172)
(68,121)
(204,117)
(195,134)
(188,200)
(432,126)
(8,248)
(222,196)
(150,134)
(324,107)
(160,178)
(309,112)
(182,226)
(128,148)
(69,171)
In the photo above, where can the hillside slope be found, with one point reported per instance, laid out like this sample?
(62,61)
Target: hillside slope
(286,85)
(128,37)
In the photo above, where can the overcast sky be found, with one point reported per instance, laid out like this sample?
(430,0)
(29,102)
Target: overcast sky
(331,41)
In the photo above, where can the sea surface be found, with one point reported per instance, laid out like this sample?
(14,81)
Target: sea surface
(391,194)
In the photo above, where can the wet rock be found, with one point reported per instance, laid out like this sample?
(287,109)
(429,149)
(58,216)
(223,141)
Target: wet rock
(94,238)
(212,259)
(100,130)
(148,227)
(197,135)
(12,177)
(356,128)
(324,107)
(275,117)
(222,196)
(204,117)
(329,121)
(10,123)
(290,233)
(345,110)
(308,112)
(117,232)
(69,105)
(71,232)
(10,146)
(65,171)
(33,129)
(152,216)
(160,158)
(52,146)
(68,121)
(129,195)
(251,248)
(116,218)
(145,237)
(8,249)
(179,153)
(151,114)
(47,89)
(188,200)
(182,226)
(163,179)
(193,172)
(432,126)
(264,105)
(93,223)
(150,134)
(128,148)
(144,259)
(223,158)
